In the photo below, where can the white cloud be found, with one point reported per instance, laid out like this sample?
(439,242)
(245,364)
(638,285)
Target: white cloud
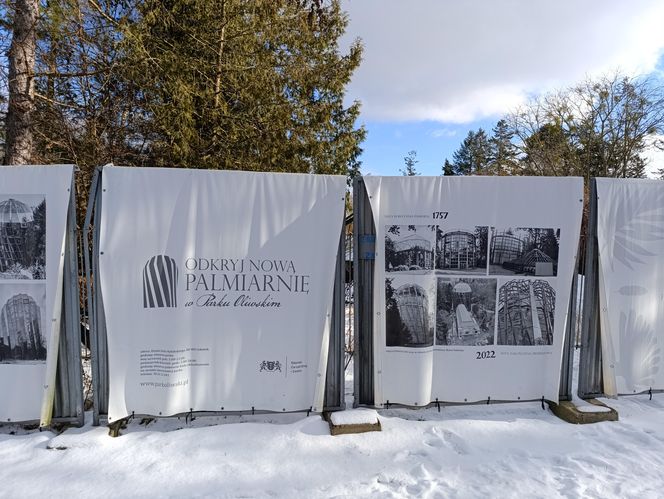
(458,61)
(442,132)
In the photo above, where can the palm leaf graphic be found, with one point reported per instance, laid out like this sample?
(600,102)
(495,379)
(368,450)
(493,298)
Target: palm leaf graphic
(636,220)
(639,353)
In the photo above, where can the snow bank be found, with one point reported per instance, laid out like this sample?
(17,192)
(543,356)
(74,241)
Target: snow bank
(501,450)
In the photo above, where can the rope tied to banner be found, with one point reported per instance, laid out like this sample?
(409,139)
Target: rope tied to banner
(189,416)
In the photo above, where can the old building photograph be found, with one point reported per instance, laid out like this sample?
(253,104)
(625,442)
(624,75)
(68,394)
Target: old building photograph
(465,311)
(22,236)
(409,248)
(524,251)
(409,311)
(462,250)
(526,310)
(22,334)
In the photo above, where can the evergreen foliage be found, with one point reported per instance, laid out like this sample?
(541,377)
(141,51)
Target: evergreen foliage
(409,164)
(222,84)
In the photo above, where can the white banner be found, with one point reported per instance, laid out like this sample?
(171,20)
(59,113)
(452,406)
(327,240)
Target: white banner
(630,238)
(472,286)
(33,218)
(217,288)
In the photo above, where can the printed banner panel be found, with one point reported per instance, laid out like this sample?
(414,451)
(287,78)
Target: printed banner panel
(630,238)
(33,220)
(217,288)
(472,286)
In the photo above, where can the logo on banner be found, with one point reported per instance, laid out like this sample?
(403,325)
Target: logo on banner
(160,281)
(271,366)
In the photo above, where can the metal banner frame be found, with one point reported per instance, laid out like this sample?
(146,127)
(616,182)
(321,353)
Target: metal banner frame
(334,384)
(68,405)
(364,233)
(591,383)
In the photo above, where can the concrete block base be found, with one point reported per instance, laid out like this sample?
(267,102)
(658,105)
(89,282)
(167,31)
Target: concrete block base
(344,429)
(567,411)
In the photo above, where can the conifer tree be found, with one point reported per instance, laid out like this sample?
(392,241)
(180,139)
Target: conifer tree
(409,164)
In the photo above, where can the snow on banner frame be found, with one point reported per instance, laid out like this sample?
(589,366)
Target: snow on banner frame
(334,381)
(368,246)
(62,398)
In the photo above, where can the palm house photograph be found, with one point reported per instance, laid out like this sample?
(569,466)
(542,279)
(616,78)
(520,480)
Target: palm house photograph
(526,311)
(461,251)
(409,248)
(409,311)
(465,311)
(524,251)
(22,237)
(22,337)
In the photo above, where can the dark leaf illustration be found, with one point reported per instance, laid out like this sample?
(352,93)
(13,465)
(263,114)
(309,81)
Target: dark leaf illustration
(632,291)
(637,221)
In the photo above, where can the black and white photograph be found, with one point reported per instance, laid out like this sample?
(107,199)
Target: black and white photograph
(465,311)
(22,236)
(410,303)
(526,309)
(22,334)
(462,250)
(409,248)
(528,251)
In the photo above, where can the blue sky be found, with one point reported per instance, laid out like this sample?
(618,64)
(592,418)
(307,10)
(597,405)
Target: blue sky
(434,69)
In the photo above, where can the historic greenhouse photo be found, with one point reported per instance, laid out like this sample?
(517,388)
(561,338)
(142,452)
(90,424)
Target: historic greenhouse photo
(524,251)
(22,337)
(465,311)
(409,311)
(526,310)
(409,248)
(462,251)
(22,237)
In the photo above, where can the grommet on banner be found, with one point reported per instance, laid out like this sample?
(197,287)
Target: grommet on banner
(650,392)
(437,404)
(542,402)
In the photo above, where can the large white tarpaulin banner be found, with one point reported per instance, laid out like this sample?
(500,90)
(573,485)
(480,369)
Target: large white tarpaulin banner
(33,219)
(472,286)
(217,288)
(630,238)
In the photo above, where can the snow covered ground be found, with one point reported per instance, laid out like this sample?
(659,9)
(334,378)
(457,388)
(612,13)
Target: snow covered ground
(508,450)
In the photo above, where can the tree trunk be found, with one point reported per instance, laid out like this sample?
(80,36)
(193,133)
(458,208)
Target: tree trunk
(19,143)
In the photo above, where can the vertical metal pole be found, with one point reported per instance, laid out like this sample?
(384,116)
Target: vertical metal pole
(69,386)
(71,308)
(334,380)
(567,367)
(590,362)
(100,314)
(364,234)
(90,281)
